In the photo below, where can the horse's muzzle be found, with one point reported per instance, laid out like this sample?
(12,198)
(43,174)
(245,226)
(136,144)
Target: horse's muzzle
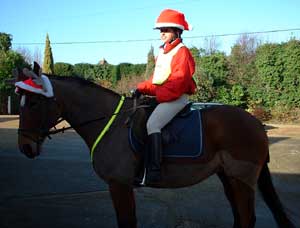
(28,151)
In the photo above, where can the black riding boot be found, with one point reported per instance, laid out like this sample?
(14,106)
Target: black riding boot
(154,158)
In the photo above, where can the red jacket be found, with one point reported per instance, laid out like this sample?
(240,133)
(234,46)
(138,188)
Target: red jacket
(179,82)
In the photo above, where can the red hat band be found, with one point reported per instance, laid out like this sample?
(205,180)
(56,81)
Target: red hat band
(32,84)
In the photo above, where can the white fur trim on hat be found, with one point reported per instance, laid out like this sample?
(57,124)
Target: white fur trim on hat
(168,25)
(47,89)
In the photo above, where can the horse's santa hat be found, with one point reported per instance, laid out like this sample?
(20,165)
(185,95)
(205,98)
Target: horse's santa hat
(35,84)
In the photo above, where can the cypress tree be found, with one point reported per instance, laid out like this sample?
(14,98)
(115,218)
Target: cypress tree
(116,74)
(150,63)
(48,65)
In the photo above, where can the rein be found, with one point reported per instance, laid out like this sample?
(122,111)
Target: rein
(44,132)
(63,129)
(47,133)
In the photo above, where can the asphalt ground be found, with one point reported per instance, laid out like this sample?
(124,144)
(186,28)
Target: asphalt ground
(60,188)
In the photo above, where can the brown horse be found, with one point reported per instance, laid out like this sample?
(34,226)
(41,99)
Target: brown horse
(235,145)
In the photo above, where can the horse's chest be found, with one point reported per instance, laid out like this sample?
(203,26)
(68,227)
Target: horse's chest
(113,158)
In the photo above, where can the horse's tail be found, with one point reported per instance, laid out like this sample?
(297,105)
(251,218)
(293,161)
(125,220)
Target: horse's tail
(266,187)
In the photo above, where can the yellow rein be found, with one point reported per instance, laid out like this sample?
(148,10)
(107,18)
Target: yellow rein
(107,126)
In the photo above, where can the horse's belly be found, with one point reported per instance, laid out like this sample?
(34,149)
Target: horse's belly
(176,175)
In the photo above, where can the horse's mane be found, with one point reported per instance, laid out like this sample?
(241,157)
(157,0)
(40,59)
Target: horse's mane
(80,81)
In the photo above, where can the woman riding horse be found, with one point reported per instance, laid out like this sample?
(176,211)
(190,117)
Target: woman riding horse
(171,83)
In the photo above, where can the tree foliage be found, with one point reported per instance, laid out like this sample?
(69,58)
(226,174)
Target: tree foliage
(81,69)
(48,64)
(265,88)
(63,69)
(5,41)
(291,75)
(264,76)
(116,74)
(242,59)
(8,61)
(150,63)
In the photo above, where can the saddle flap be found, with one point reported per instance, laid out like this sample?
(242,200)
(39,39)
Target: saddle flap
(182,137)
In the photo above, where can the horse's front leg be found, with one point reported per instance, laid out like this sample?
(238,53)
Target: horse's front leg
(124,203)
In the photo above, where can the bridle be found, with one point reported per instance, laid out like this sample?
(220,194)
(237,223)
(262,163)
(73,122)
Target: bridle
(44,131)
(41,131)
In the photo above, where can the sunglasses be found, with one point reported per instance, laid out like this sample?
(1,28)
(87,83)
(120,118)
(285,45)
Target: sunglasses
(166,30)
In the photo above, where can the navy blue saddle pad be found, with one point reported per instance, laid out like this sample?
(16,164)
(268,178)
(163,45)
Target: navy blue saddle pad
(185,133)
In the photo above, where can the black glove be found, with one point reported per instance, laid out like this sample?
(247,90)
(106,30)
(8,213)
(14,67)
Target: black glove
(136,93)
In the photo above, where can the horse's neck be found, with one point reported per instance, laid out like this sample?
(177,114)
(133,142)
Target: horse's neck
(85,104)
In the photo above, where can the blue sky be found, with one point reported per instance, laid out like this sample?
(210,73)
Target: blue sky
(128,20)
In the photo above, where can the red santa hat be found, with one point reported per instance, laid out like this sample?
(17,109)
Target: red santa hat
(171,18)
(41,86)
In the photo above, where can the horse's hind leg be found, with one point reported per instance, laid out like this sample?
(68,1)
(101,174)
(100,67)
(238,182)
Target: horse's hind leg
(229,195)
(242,201)
(124,203)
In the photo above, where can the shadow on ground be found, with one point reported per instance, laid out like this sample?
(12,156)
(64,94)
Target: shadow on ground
(273,140)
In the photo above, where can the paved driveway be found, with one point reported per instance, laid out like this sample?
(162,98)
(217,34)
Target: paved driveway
(60,189)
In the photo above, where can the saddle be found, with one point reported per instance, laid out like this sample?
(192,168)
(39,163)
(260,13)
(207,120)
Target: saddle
(182,137)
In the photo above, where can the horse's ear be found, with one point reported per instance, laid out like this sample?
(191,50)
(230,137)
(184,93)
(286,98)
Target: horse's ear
(30,74)
(37,69)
